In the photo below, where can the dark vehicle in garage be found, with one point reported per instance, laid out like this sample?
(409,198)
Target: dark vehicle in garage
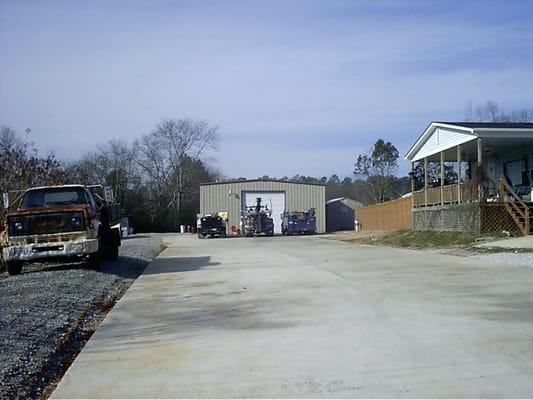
(211,225)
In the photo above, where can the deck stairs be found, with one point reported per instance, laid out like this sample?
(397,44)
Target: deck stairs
(518,209)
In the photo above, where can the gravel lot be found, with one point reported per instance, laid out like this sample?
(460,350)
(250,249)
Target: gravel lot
(50,311)
(511,259)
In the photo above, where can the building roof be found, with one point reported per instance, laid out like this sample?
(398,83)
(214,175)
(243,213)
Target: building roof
(262,180)
(488,125)
(353,204)
(334,200)
(463,132)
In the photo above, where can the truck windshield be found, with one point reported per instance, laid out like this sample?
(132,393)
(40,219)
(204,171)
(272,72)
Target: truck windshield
(50,197)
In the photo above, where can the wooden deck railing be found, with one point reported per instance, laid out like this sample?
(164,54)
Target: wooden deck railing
(466,192)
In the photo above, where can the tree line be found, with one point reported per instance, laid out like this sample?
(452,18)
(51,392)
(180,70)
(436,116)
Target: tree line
(155,179)
(375,177)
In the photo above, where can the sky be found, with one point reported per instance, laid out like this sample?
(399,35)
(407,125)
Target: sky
(295,87)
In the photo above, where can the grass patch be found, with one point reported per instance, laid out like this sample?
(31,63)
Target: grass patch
(428,239)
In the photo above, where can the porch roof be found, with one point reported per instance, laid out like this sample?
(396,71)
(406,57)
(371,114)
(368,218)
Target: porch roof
(442,136)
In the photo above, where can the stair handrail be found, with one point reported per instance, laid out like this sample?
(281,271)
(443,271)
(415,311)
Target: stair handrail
(509,191)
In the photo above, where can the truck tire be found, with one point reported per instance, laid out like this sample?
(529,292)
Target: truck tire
(112,253)
(93,261)
(14,267)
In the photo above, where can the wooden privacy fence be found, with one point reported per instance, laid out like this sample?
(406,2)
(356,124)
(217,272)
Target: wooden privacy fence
(389,216)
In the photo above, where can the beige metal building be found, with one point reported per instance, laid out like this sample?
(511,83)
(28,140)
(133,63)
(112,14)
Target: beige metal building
(234,196)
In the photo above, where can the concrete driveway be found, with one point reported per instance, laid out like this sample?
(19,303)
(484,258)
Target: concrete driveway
(312,317)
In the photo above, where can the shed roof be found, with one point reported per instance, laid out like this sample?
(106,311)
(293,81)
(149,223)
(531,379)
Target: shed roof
(353,204)
(262,180)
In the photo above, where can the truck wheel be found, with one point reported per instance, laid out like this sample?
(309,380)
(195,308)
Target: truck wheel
(14,267)
(112,253)
(93,261)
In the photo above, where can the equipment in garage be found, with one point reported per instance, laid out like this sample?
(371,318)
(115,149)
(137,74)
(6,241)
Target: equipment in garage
(257,220)
(274,201)
(298,222)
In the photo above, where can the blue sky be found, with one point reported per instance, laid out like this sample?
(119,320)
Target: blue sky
(294,86)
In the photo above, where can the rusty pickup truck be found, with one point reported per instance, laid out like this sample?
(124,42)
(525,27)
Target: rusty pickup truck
(61,223)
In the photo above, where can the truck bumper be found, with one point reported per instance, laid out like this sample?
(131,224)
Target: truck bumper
(39,251)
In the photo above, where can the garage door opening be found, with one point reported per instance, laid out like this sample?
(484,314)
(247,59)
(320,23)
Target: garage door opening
(275,201)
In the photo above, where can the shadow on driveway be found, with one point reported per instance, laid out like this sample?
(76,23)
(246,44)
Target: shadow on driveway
(179,264)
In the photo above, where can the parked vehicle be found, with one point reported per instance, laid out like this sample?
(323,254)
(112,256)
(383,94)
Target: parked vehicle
(61,222)
(211,225)
(257,220)
(298,222)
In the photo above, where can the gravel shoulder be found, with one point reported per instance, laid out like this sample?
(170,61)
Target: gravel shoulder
(50,311)
(509,258)
(444,242)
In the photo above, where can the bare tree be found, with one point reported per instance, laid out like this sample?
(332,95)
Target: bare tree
(21,166)
(492,112)
(118,159)
(165,157)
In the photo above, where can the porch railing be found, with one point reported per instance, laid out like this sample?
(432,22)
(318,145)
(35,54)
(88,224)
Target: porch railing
(466,192)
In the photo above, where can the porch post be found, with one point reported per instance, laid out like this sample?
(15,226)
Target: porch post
(413,186)
(458,174)
(426,181)
(441,178)
(478,169)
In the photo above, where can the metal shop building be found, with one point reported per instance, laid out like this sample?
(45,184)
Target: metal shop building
(234,196)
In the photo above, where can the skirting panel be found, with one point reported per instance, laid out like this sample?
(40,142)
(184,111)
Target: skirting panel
(458,217)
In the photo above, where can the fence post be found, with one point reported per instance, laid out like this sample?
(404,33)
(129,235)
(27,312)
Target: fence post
(458,174)
(479,169)
(426,181)
(442,190)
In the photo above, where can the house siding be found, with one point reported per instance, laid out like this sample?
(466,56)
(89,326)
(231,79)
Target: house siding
(442,139)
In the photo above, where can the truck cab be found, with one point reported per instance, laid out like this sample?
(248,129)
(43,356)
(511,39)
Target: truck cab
(60,222)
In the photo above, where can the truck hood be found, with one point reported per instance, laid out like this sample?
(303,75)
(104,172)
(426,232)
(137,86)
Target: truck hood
(48,210)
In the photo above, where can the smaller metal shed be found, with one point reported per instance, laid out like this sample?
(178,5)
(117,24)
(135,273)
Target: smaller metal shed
(340,214)
(234,196)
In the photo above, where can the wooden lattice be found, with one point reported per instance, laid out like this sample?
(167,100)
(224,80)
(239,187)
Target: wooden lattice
(495,218)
